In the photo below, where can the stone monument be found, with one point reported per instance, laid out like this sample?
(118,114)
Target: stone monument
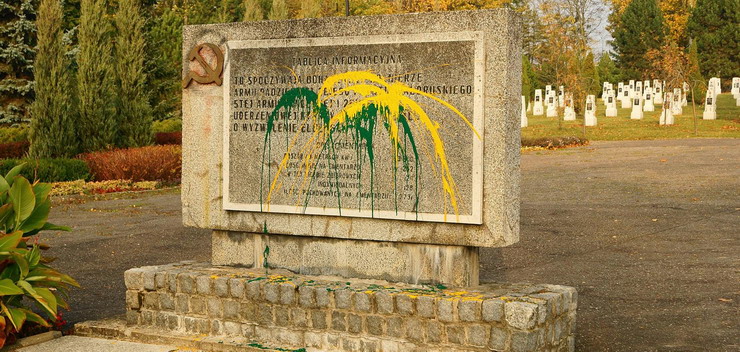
(611,105)
(552,105)
(648,99)
(676,104)
(538,107)
(524,112)
(666,115)
(636,113)
(710,108)
(561,96)
(350,168)
(569,114)
(590,111)
(626,97)
(735,87)
(658,96)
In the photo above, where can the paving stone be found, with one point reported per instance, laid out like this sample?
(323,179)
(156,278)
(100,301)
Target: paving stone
(469,310)
(203,284)
(221,287)
(236,288)
(425,306)
(287,293)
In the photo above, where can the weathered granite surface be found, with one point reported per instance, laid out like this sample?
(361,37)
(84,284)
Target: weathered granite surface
(333,314)
(203,137)
(391,261)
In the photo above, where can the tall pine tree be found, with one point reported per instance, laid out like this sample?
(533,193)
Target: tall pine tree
(279,10)
(134,112)
(97,126)
(253,10)
(52,126)
(17,41)
(714,26)
(607,69)
(165,64)
(641,28)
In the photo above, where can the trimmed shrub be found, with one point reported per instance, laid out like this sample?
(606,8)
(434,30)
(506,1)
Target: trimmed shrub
(169,125)
(168,138)
(14,150)
(554,142)
(13,134)
(154,163)
(49,170)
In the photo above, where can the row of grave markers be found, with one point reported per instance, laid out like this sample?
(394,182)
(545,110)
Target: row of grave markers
(640,96)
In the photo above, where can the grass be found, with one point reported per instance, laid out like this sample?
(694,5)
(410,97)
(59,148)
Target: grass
(727,124)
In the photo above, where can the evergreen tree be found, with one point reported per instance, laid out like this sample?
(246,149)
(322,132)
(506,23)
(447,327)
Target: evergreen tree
(279,10)
(253,10)
(52,127)
(696,80)
(641,28)
(134,112)
(527,87)
(591,75)
(310,9)
(95,77)
(165,64)
(607,69)
(714,26)
(17,40)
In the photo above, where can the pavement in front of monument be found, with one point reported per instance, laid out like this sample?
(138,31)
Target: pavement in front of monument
(647,231)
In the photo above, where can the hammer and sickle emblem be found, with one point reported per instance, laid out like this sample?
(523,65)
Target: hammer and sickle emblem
(213,75)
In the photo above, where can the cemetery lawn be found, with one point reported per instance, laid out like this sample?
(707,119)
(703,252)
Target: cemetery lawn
(727,124)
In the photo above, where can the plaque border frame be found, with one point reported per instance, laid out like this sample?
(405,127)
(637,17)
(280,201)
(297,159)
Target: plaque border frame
(478,121)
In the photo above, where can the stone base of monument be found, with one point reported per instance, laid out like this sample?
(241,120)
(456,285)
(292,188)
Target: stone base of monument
(237,308)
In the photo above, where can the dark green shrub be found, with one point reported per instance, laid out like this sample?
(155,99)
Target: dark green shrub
(169,125)
(49,170)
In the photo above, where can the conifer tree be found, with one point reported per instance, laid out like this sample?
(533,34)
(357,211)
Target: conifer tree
(714,26)
(607,69)
(527,87)
(96,127)
(165,64)
(641,29)
(279,10)
(696,80)
(310,9)
(253,10)
(134,112)
(52,126)
(17,40)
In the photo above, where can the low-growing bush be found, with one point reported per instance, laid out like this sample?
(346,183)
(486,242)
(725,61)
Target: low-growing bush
(169,125)
(81,187)
(49,170)
(14,150)
(13,134)
(168,138)
(154,163)
(554,142)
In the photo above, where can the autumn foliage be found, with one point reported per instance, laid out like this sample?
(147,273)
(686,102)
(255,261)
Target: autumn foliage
(155,163)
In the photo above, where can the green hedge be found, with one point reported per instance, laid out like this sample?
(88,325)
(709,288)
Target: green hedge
(49,170)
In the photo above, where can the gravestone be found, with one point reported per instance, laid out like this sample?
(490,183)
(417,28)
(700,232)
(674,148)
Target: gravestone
(524,112)
(735,87)
(538,107)
(658,96)
(349,169)
(590,111)
(638,90)
(636,113)
(710,107)
(611,105)
(666,115)
(626,97)
(569,114)
(552,104)
(561,96)
(676,104)
(648,99)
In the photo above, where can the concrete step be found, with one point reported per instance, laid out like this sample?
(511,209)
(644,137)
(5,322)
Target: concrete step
(115,329)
